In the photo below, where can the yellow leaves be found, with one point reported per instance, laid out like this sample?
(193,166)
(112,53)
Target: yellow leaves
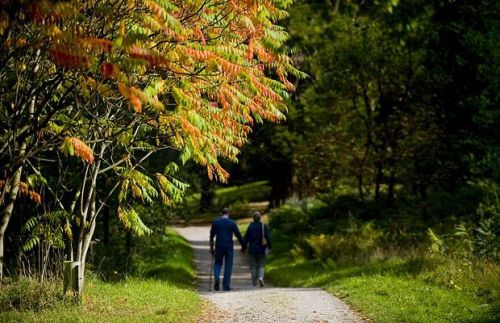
(98,44)
(265,91)
(246,23)
(102,89)
(210,57)
(264,55)
(4,22)
(171,190)
(156,8)
(75,147)
(131,220)
(131,4)
(54,32)
(122,28)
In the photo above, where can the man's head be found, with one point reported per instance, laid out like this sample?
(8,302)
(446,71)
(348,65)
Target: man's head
(225,211)
(256,216)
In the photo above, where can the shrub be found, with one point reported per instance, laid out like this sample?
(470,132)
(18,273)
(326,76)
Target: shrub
(360,244)
(471,241)
(290,220)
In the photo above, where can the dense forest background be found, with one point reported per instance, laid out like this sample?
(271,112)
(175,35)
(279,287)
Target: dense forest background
(401,101)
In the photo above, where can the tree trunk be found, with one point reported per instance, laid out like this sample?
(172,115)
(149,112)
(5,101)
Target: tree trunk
(337,6)
(88,216)
(14,186)
(360,187)
(390,189)
(207,195)
(128,243)
(9,208)
(378,181)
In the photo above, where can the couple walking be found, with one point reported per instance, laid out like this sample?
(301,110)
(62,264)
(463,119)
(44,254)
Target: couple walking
(257,239)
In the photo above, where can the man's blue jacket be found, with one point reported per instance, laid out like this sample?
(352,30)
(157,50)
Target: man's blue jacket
(223,229)
(253,238)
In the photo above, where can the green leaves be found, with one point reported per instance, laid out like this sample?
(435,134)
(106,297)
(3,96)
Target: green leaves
(138,185)
(47,229)
(132,221)
(171,189)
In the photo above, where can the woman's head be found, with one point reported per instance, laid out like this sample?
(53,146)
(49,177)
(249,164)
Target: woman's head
(256,216)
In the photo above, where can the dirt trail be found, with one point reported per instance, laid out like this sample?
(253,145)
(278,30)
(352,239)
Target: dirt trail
(246,303)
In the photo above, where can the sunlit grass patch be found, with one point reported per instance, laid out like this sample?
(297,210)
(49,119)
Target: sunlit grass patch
(166,257)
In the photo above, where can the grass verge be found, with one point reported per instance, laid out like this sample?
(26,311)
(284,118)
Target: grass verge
(161,291)
(396,289)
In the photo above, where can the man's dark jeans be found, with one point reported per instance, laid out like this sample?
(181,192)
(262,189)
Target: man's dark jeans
(225,255)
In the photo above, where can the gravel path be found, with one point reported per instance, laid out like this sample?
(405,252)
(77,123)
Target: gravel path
(246,303)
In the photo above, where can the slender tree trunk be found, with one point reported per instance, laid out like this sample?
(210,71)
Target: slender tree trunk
(337,6)
(390,189)
(88,217)
(14,185)
(360,187)
(207,195)
(378,181)
(128,243)
(7,213)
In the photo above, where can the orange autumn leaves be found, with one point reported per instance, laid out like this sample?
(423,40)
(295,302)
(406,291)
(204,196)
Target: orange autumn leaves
(132,94)
(75,147)
(25,190)
(219,64)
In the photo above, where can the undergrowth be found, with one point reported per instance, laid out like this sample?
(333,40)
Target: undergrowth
(394,268)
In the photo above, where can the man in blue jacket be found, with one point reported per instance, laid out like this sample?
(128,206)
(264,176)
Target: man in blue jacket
(222,230)
(259,240)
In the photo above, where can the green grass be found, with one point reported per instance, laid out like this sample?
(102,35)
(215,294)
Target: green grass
(395,290)
(167,257)
(160,290)
(131,300)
